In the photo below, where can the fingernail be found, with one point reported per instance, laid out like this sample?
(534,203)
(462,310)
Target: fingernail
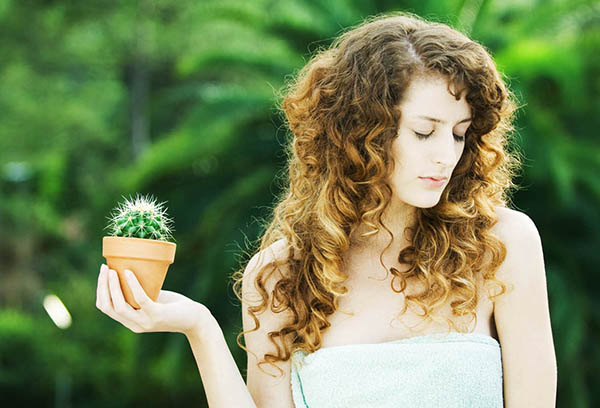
(103,268)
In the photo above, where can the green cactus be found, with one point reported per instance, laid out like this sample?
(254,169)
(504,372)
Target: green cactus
(140,218)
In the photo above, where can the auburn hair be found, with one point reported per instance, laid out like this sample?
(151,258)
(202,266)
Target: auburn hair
(342,110)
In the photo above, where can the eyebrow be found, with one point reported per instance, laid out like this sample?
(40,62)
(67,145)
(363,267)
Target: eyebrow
(443,121)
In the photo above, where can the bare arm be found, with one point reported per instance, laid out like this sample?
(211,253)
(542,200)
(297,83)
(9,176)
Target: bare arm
(222,380)
(223,383)
(269,389)
(173,312)
(523,318)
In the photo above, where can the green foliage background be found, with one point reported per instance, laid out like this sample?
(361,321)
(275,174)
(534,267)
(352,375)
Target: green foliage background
(101,99)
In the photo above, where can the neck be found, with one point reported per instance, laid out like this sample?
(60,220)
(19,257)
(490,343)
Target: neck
(396,218)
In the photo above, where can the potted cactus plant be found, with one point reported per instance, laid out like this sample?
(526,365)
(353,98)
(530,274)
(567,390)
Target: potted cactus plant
(140,240)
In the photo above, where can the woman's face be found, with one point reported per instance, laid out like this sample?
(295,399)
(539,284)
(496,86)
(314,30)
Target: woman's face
(430,141)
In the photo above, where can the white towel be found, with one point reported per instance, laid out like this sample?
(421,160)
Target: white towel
(436,370)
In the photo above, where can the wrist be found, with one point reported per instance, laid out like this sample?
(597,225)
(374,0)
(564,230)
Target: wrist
(205,326)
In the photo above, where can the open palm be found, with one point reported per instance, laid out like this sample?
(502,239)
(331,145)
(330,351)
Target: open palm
(172,311)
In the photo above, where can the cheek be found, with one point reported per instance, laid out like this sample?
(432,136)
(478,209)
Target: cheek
(460,149)
(412,155)
(407,159)
(404,150)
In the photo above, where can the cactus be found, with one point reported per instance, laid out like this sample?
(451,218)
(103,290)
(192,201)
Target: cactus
(140,218)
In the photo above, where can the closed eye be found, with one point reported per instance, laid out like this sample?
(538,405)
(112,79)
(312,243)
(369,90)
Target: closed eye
(423,136)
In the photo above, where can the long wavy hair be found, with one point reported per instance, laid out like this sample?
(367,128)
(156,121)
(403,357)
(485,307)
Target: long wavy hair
(342,110)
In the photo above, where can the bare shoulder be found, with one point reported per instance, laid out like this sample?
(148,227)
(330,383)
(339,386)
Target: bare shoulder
(276,252)
(275,258)
(522,239)
(514,226)
(265,388)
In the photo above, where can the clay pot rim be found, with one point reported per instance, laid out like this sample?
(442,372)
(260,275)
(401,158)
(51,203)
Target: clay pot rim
(139,240)
(138,249)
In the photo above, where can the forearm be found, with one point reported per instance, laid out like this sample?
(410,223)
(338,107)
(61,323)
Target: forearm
(223,383)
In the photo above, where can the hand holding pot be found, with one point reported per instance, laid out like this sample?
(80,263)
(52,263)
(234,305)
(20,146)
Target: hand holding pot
(171,312)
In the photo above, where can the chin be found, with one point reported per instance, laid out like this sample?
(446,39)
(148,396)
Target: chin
(424,202)
(428,205)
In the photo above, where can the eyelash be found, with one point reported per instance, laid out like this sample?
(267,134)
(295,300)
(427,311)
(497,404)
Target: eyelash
(456,137)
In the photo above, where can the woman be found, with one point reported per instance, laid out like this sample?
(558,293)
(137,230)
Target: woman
(370,286)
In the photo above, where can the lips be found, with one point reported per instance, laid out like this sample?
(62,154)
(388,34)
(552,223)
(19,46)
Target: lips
(436,178)
(434,182)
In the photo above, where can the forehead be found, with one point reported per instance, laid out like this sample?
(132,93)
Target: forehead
(429,96)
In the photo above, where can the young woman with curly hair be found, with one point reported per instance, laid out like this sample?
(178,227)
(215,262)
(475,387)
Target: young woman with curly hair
(392,272)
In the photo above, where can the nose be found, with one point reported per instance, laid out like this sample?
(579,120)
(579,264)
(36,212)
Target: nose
(444,151)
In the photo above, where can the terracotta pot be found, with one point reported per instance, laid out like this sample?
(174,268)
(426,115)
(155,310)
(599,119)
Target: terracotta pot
(148,259)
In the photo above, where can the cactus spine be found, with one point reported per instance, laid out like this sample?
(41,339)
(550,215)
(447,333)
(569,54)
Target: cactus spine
(141,218)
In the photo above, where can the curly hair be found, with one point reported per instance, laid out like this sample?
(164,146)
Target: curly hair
(342,110)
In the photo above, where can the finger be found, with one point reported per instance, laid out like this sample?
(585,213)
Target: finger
(124,309)
(103,301)
(137,290)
